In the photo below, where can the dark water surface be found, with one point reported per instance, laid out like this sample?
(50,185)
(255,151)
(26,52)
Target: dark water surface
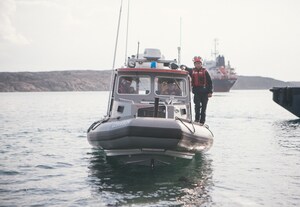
(45,159)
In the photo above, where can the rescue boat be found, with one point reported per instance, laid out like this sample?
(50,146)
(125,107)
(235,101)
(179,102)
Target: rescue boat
(149,115)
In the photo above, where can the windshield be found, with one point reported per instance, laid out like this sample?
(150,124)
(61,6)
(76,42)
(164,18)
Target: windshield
(170,86)
(134,85)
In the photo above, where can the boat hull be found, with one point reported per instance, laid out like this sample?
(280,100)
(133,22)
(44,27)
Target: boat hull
(288,98)
(140,139)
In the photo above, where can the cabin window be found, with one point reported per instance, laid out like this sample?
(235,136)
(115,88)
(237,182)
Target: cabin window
(134,85)
(170,86)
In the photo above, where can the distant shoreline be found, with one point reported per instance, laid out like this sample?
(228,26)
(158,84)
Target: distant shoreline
(91,80)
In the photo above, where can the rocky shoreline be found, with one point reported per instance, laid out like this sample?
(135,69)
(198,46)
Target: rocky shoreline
(90,80)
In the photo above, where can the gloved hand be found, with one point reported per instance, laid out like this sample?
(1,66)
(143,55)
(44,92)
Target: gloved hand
(183,67)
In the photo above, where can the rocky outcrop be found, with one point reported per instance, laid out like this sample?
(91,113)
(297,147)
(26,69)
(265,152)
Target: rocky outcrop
(257,82)
(55,81)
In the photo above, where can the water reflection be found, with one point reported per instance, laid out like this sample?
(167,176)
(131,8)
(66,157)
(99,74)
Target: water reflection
(288,133)
(186,183)
(290,124)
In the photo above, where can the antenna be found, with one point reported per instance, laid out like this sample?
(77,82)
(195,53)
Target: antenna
(110,102)
(116,45)
(127,33)
(138,51)
(179,48)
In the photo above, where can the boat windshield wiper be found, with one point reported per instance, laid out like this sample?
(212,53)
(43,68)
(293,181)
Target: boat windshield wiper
(177,84)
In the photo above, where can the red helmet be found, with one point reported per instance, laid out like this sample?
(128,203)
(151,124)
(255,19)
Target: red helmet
(197,59)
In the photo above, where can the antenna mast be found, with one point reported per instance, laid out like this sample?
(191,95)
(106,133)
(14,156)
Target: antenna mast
(110,102)
(116,45)
(138,51)
(179,48)
(127,33)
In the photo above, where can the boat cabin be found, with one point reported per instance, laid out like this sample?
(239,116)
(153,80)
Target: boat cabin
(149,87)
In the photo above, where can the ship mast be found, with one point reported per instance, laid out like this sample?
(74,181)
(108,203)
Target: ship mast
(215,52)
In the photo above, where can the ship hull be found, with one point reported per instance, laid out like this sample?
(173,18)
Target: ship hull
(288,98)
(223,85)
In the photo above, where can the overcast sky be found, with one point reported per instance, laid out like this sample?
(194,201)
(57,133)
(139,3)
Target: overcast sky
(259,37)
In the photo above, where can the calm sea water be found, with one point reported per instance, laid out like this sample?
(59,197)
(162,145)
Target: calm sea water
(45,159)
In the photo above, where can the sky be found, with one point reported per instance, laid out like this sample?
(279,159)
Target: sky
(258,37)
